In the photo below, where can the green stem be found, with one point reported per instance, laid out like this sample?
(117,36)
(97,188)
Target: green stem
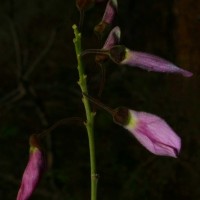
(89,114)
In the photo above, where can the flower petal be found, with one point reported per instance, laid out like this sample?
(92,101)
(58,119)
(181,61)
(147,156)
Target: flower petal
(113,38)
(108,17)
(110,11)
(152,63)
(154,134)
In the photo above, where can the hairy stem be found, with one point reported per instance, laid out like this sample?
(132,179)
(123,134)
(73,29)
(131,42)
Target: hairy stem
(89,114)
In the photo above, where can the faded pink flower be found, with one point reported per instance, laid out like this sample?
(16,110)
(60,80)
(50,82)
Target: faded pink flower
(108,17)
(150,130)
(110,11)
(33,171)
(124,56)
(113,38)
(152,63)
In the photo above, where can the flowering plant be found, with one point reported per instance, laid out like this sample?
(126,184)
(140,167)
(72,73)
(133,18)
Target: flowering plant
(149,129)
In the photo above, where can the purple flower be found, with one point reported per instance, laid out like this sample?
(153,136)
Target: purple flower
(33,171)
(153,133)
(150,130)
(108,16)
(110,11)
(124,56)
(152,63)
(113,38)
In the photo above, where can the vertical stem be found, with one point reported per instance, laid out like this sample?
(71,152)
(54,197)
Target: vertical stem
(89,114)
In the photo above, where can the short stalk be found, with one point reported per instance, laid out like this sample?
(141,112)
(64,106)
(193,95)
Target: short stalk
(89,114)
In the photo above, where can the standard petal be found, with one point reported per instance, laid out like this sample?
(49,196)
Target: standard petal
(152,63)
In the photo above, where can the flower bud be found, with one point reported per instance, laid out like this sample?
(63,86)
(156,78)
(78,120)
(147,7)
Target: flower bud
(112,39)
(34,170)
(108,17)
(110,11)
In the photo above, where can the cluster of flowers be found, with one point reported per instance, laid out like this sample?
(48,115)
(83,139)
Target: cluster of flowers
(150,130)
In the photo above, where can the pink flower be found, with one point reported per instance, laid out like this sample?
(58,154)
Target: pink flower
(108,17)
(33,171)
(150,130)
(154,133)
(110,11)
(124,56)
(113,38)
(152,63)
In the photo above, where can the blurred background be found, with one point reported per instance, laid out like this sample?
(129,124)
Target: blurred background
(36,42)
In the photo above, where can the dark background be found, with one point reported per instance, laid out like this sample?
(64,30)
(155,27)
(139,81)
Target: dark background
(167,28)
